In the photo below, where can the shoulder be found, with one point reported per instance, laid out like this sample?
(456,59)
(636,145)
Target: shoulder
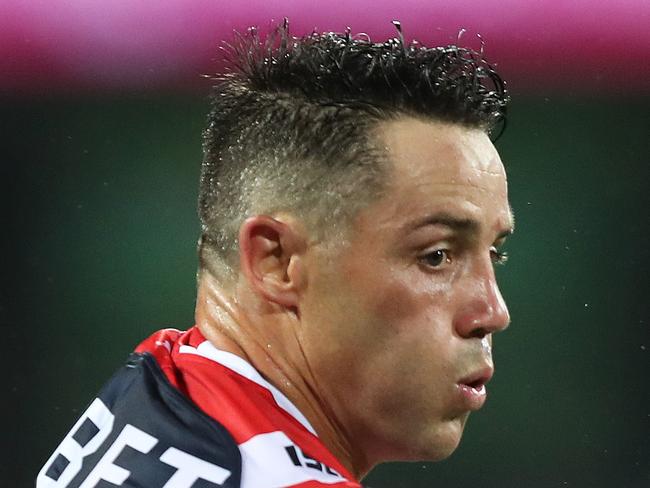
(278,445)
(141,431)
(181,411)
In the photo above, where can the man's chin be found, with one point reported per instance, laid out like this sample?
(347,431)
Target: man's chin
(438,442)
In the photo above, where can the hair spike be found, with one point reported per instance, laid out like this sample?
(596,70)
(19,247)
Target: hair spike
(449,82)
(292,118)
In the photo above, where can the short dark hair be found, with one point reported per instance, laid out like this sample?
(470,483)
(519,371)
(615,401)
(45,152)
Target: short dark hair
(290,127)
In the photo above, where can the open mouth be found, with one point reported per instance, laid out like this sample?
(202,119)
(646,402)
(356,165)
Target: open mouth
(478,379)
(478,385)
(474,384)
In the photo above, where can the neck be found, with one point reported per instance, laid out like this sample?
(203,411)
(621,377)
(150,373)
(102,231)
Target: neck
(265,336)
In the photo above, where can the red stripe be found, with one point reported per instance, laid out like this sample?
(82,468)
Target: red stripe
(154,345)
(242,406)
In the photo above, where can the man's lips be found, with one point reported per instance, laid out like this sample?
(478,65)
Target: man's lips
(472,388)
(478,378)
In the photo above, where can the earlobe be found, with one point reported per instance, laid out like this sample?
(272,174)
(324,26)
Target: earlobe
(270,253)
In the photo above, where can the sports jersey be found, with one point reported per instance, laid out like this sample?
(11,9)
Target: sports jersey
(183,414)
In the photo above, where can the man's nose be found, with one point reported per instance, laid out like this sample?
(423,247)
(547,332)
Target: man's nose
(484,310)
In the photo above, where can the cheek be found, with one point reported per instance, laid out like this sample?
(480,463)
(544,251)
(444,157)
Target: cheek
(412,334)
(394,316)
(408,301)
(395,303)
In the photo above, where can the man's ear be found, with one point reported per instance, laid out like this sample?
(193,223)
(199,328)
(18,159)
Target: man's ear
(270,257)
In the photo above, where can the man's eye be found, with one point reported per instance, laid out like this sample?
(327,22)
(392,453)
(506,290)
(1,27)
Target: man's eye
(436,258)
(498,257)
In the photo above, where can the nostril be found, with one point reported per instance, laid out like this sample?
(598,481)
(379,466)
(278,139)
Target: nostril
(479,333)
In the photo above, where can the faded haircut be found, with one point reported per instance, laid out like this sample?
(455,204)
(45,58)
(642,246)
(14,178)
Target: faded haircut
(292,120)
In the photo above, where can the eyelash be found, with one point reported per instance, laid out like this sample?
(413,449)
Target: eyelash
(498,257)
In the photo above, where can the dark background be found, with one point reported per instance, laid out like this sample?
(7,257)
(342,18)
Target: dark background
(101,112)
(99,234)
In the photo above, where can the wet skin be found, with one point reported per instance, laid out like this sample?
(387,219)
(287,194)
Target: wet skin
(396,319)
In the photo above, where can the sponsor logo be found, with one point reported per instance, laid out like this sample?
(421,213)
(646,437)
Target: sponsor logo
(300,458)
(89,434)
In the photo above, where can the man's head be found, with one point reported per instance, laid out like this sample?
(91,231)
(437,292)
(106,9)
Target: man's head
(292,127)
(400,319)
(353,189)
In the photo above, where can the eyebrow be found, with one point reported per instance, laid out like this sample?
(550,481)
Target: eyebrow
(455,223)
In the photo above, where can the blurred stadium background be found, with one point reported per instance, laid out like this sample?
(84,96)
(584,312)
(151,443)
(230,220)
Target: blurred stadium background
(102,109)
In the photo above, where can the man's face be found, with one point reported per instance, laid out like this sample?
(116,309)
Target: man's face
(397,321)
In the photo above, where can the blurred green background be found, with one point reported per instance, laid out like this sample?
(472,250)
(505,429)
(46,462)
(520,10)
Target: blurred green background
(98,250)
